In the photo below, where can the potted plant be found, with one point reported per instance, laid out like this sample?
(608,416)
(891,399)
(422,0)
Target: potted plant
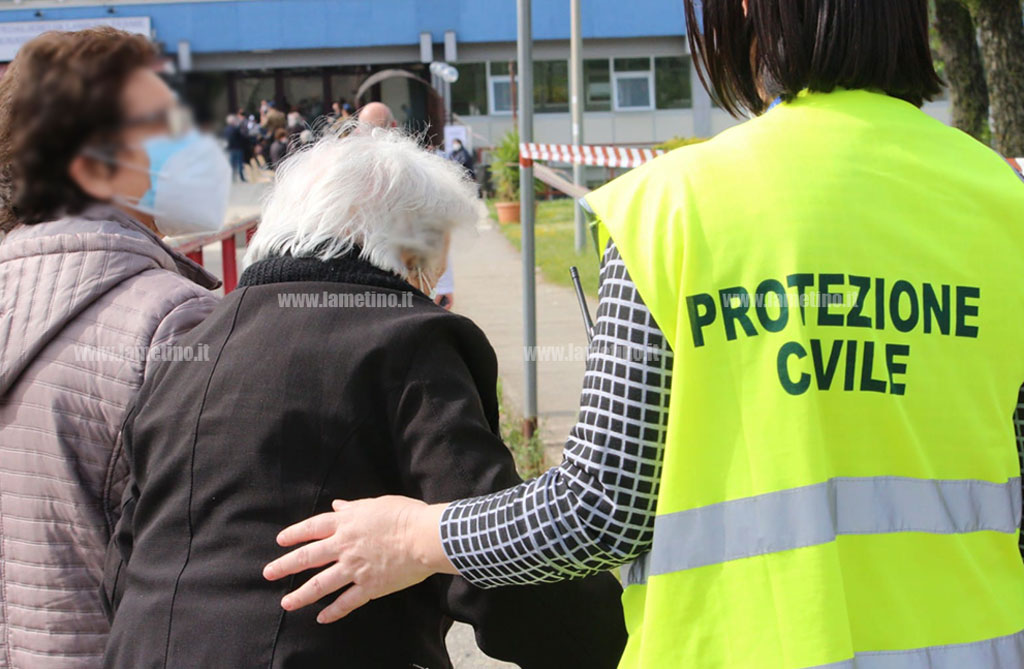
(505,176)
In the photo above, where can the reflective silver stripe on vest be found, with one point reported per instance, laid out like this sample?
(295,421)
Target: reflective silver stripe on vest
(816,514)
(1005,652)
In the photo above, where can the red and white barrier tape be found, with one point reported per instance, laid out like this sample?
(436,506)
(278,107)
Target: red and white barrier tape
(615,156)
(600,156)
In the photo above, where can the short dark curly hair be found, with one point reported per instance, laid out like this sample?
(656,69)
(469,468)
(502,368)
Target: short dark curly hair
(61,92)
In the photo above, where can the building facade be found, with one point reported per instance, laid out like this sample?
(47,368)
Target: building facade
(640,87)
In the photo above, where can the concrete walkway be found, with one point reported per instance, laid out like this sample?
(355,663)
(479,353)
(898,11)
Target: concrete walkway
(488,289)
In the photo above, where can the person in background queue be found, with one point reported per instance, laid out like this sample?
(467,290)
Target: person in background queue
(279,148)
(273,119)
(88,295)
(237,141)
(377,114)
(341,111)
(463,157)
(797,416)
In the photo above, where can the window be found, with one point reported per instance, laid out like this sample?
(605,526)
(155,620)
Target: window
(551,86)
(469,93)
(672,82)
(499,84)
(633,84)
(304,92)
(620,84)
(344,87)
(501,95)
(207,95)
(251,91)
(597,85)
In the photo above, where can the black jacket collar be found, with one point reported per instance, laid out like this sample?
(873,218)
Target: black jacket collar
(349,268)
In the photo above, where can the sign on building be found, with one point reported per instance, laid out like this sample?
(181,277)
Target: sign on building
(16,33)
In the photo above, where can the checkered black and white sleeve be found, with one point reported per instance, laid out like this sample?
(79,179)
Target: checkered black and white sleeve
(596,510)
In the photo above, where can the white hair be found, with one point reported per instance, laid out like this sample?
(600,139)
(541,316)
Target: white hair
(374,189)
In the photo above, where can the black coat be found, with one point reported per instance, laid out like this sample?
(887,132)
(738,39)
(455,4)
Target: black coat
(235,137)
(278,152)
(298,406)
(465,158)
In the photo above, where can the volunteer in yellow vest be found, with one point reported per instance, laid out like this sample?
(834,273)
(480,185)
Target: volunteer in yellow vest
(820,469)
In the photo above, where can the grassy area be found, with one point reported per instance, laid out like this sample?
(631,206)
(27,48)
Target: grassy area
(528,453)
(555,239)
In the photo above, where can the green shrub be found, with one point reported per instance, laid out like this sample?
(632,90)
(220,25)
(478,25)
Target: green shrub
(527,452)
(504,166)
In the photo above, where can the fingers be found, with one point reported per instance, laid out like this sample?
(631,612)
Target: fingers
(309,556)
(314,529)
(346,603)
(323,536)
(330,580)
(317,527)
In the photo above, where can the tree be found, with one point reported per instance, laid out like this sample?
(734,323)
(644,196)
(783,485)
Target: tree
(1001,30)
(964,71)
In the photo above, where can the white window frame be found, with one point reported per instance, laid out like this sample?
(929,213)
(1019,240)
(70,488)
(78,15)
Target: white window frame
(633,74)
(498,79)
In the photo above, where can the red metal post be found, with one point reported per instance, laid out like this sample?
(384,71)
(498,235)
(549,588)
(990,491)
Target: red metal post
(196,256)
(227,252)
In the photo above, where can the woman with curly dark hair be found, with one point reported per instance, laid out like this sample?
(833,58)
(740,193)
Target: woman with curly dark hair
(94,154)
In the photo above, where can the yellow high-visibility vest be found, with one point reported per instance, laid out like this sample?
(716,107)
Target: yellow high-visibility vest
(841,281)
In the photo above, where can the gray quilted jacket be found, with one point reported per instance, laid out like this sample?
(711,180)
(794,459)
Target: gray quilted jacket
(83,302)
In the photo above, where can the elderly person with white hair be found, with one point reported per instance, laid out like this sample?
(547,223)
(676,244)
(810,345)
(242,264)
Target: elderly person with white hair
(331,374)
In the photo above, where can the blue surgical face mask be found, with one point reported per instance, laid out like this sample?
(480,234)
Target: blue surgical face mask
(190,180)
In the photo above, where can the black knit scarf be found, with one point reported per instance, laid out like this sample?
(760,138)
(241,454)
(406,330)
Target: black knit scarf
(349,268)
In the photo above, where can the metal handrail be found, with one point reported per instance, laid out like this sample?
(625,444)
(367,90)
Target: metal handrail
(192,247)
